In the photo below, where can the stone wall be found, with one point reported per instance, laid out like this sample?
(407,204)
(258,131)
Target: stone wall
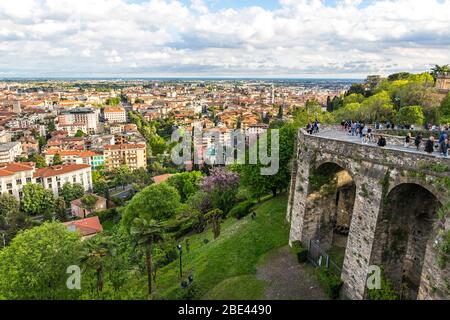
(376,172)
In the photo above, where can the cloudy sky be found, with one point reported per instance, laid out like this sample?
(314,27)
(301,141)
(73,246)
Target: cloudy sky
(231,38)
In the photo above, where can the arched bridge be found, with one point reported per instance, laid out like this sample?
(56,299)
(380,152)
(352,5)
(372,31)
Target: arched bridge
(386,207)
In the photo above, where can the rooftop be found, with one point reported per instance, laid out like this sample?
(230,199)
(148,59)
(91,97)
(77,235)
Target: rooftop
(57,170)
(87,227)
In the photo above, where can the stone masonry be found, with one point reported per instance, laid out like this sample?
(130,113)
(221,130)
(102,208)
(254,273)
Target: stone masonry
(376,173)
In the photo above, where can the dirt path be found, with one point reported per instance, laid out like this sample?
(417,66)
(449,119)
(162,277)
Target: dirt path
(289,280)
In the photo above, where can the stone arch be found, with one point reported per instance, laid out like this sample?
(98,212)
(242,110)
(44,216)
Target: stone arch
(323,160)
(329,207)
(404,233)
(417,181)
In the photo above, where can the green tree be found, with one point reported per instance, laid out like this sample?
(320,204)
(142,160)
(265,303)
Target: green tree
(436,70)
(445,108)
(259,185)
(38,159)
(71,192)
(12,220)
(57,160)
(38,201)
(158,145)
(410,115)
(378,107)
(34,266)
(186,183)
(80,134)
(60,209)
(101,188)
(113,101)
(214,217)
(157,202)
(122,176)
(146,233)
(94,253)
(88,203)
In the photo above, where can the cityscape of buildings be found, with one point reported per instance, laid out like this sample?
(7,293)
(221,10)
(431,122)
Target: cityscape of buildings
(91,129)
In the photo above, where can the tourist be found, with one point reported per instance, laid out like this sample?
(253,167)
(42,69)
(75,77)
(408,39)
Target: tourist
(442,136)
(408,140)
(418,140)
(382,141)
(429,146)
(364,134)
(353,128)
(443,147)
(369,134)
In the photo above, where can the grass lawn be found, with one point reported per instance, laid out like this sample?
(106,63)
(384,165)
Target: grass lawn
(225,268)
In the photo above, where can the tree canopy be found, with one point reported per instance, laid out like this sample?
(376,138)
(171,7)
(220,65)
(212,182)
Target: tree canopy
(34,265)
(157,202)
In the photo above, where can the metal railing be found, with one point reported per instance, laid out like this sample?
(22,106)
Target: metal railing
(319,258)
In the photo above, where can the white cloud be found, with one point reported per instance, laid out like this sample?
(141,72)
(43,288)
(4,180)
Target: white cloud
(159,37)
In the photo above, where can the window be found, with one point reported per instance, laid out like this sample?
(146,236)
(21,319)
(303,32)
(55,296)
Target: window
(28,180)
(9,186)
(19,182)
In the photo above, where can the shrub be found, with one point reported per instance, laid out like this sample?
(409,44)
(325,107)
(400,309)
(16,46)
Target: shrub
(330,282)
(242,209)
(300,252)
(386,292)
(190,293)
(107,215)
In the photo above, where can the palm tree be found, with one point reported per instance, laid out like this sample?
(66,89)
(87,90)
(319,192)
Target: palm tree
(146,233)
(94,253)
(436,70)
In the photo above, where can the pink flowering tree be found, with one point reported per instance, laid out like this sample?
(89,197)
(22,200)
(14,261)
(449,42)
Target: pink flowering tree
(222,186)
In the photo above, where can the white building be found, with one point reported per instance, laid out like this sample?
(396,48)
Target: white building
(13,176)
(256,129)
(115,114)
(10,151)
(82,117)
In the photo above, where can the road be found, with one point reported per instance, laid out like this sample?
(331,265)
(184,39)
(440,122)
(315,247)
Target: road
(340,135)
(120,192)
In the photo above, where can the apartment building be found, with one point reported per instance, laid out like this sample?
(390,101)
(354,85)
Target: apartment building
(132,155)
(88,117)
(10,151)
(13,176)
(92,158)
(115,114)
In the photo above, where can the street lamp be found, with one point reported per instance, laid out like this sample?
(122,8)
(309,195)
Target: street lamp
(180,248)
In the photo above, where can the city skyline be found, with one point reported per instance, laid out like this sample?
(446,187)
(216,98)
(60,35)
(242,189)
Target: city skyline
(342,39)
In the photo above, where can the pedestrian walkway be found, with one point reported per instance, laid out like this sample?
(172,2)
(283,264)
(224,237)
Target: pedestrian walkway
(341,135)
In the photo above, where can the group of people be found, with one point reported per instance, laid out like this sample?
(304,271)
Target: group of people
(442,145)
(359,129)
(365,132)
(313,127)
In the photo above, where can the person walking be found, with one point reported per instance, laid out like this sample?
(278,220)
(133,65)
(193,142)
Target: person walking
(408,140)
(418,140)
(443,148)
(382,142)
(429,146)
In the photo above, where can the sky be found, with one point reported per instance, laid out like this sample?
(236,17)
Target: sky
(221,38)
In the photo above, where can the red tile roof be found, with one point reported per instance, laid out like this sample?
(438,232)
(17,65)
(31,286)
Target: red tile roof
(57,170)
(10,169)
(162,178)
(80,153)
(87,227)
